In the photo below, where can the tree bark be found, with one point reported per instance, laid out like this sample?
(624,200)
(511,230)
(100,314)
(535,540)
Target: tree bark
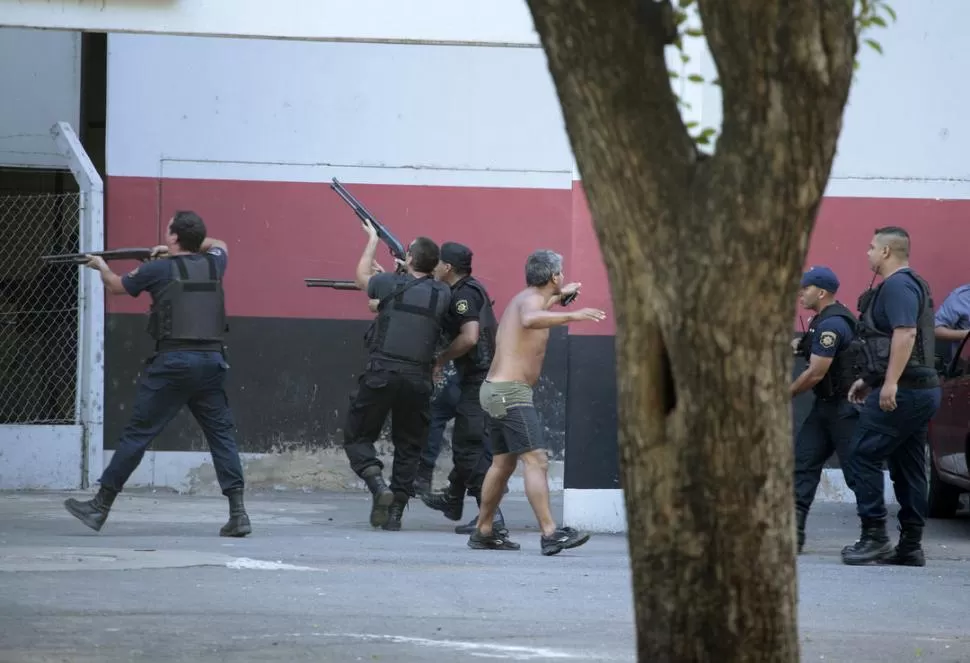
(704,256)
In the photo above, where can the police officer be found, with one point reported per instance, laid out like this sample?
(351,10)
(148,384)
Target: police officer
(900,393)
(188,323)
(444,405)
(470,326)
(398,375)
(953,320)
(834,363)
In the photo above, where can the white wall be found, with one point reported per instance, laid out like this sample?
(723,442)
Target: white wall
(904,131)
(477,21)
(242,108)
(40,84)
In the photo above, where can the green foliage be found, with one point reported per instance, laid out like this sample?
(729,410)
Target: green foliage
(868,14)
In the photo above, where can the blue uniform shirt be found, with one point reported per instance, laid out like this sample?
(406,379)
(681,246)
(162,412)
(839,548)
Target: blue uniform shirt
(831,336)
(955,313)
(154,275)
(898,303)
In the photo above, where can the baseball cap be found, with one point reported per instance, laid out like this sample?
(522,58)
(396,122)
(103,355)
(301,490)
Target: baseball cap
(457,255)
(821,277)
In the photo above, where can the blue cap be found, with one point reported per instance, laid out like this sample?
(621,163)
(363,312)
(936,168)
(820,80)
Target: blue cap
(821,277)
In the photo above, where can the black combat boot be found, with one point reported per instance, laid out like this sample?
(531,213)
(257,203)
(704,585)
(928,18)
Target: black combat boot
(238,524)
(909,552)
(450,502)
(94,512)
(383,497)
(422,483)
(395,511)
(873,545)
(800,517)
(498,521)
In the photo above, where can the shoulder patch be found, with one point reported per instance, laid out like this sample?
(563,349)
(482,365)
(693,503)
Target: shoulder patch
(132,273)
(461,306)
(828,339)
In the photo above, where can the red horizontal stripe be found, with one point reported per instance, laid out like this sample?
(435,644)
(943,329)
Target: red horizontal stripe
(281,232)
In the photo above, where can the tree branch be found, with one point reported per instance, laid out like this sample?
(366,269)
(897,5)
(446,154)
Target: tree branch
(619,79)
(800,72)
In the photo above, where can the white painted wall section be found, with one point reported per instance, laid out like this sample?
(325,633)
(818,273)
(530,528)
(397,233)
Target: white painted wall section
(455,21)
(40,84)
(40,457)
(283,110)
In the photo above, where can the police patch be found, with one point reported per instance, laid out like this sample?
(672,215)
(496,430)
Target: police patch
(828,339)
(462,306)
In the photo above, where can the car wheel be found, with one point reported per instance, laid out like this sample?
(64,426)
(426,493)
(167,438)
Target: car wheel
(944,499)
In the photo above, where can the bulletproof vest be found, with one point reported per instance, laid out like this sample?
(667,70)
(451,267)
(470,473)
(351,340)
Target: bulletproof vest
(192,306)
(848,364)
(479,358)
(408,322)
(877,343)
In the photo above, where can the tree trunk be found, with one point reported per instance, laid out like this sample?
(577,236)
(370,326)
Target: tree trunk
(704,256)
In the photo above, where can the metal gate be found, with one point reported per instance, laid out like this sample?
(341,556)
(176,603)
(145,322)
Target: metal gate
(51,333)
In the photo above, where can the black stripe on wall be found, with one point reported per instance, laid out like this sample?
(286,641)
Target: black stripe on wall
(591,422)
(289,383)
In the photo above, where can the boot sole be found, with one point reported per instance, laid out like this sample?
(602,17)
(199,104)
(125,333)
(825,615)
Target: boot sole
(82,517)
(237,533)
(872,558)
(379,514)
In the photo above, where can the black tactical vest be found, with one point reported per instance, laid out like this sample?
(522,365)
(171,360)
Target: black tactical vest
(878,344)
(190,308)
(408,323)
(847,365)
(479,359)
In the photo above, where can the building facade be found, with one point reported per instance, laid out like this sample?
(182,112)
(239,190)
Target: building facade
(460,142)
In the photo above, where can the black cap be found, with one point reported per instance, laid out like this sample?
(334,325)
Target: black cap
(457,255)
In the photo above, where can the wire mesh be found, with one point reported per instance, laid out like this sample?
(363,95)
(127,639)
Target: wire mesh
(39,309)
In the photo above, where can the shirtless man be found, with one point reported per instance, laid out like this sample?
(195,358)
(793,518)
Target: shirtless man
(506,397)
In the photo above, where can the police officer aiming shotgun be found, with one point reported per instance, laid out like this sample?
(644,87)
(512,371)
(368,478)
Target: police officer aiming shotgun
(398,375)
(188,323)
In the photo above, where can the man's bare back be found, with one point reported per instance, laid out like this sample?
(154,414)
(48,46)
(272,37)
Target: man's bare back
(523,333)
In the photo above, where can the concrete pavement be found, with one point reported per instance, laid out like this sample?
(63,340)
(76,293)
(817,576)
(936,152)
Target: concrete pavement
(315,583)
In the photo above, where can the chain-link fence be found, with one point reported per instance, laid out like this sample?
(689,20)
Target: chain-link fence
(39,312)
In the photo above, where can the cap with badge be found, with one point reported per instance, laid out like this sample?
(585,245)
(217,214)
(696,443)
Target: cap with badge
(457,255)
(821,277)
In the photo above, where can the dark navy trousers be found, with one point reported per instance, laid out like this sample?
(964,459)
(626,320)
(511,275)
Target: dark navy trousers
(172,379)
(828,429)
(899,439)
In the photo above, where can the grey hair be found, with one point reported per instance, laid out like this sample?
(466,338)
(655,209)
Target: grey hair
(541,266)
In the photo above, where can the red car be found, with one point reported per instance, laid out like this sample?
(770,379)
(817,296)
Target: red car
(949,438)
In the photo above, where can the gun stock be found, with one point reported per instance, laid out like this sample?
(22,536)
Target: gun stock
(115,254)
(336,284)
(393,243)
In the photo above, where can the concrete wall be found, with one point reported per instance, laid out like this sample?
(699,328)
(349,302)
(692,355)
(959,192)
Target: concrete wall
(40,80)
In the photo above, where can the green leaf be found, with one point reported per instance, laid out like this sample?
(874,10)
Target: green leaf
(684,4)
(679,17)
(880,21)
(891,12)
(694,32)
(672,73)
(703,140)
(691,125)
(708,132)
(716,81)
(684,58)
(695,78)
(875,45)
